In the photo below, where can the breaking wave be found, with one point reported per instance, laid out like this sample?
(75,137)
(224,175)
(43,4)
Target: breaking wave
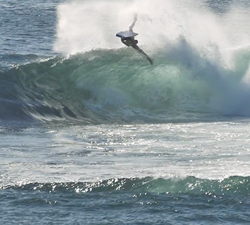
(107,86)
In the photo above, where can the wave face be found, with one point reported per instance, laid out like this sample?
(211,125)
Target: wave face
(106,86)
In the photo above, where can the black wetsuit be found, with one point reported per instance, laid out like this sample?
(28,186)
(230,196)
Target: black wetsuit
(130,41)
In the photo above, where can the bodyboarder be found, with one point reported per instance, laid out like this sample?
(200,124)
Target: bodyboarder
(131,42)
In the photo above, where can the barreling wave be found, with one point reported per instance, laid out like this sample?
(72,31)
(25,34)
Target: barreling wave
(107,86)
(236,186)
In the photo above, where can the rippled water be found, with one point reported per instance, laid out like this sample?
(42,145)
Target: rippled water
(91,133)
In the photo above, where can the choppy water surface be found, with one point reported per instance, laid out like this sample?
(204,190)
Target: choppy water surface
(91,133)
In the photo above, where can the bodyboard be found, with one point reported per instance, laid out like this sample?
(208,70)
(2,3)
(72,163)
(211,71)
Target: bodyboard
(126,34)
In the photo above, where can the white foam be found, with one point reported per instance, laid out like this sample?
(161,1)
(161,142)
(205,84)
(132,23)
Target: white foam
(208,44)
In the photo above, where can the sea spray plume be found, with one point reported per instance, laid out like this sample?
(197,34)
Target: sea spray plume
(221,89)
(189,38)
(86,25)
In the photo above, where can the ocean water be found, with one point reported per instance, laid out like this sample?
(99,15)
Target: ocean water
(91,133)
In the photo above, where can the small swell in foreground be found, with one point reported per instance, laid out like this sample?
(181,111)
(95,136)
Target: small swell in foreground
(235,186)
